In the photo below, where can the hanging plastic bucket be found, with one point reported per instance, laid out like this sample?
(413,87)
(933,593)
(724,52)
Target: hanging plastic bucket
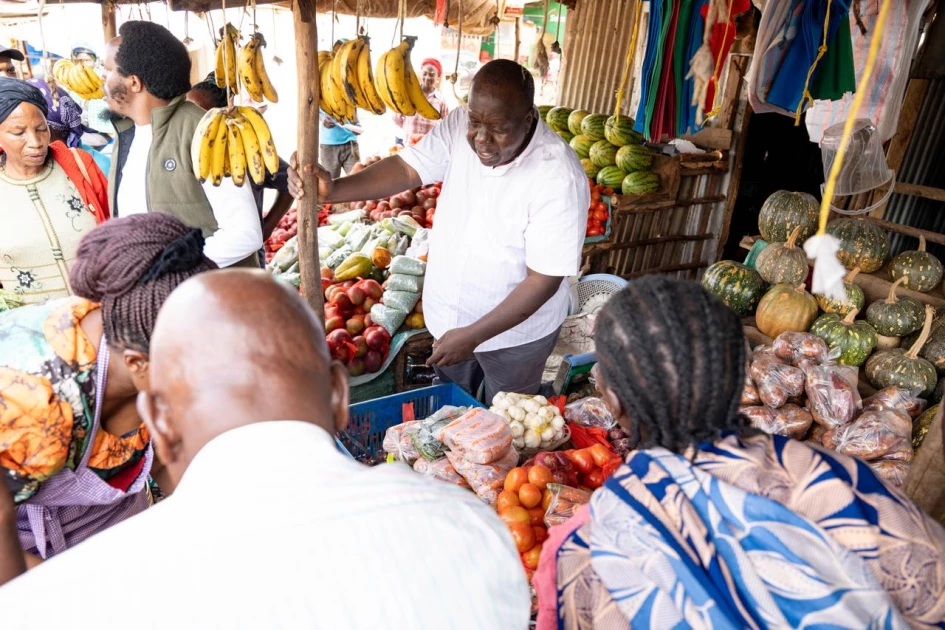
(864,165)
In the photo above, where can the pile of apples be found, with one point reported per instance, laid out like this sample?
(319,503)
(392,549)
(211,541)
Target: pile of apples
(352,337)
(418,203)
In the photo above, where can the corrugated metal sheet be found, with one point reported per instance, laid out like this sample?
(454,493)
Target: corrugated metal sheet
(598,35)
(924,164)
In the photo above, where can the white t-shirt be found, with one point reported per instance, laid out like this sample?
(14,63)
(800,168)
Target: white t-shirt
(239,232)
(272,527)
(493,223)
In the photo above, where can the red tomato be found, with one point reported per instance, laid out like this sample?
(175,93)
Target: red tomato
(595,232)
(541,534)
(600,215)
(531,557)
(594,479)
(602,456)
(538,517)
(540,476)
(529,495)
(595,196)
(608,190)
(523,535)
(582,459)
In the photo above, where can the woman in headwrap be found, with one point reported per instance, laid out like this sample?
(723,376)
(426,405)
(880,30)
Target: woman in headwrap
(52,195)
(64,117)
(710,524)
(415,127)
(74,454)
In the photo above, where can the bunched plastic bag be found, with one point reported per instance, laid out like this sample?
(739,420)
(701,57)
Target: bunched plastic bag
(478,436)
(486,480)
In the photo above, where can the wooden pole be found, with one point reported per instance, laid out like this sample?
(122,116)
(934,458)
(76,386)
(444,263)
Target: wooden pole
(109,25)
(518,39)
(306,55)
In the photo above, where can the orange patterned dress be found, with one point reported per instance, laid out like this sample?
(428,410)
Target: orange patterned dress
(47,401)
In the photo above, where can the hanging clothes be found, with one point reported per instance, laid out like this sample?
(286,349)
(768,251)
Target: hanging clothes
(887,86)
(788,86)
(687,109)
(776,34)
(835,74)
(651,58)
(723,36)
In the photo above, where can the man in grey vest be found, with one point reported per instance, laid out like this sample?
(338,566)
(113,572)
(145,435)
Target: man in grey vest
(147,77)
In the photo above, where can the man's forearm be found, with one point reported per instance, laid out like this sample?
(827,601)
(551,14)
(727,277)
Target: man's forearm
(524,300)
(12,561)
(382,179)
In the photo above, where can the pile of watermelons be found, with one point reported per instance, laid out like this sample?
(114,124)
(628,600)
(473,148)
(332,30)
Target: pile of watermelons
(611,152)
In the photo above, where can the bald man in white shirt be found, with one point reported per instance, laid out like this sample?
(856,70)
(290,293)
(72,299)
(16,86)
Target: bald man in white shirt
(509,230)
(270,525)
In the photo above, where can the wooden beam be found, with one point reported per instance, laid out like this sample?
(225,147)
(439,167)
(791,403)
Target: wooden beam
(656,240)
(109,25)
(876,287)
(926,192)
(662,270)
(306,54)
(518,39)
(908,230)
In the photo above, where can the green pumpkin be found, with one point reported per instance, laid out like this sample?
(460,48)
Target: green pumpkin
(922,270)
(862,244)
(939,392)
(785,210)
(895,316)
(905,369)
(854,340)
(740,287)
(921,426)
(855,299)
(785,308)
(783,263)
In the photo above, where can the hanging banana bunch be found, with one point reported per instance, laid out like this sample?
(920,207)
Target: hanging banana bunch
(233,142)
(252,71)
(397,83)
(346,82)
(79,78)
(225,71)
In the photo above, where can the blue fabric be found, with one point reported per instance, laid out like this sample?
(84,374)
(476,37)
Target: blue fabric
(101,160)
(761,532)
(787,88)
(647,73)
(694,39)
(336,135)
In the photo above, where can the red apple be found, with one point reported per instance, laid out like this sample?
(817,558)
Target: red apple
(333,324)
(376,337)
(370,205)
(361,345)
(327,272)
(396,202)
(355,324)
(356,366)
(387,215)
(368,322)
(357,295)
(429,204)
(373,361)
(372,288)
(422,196)
(341,300)
(383,206)
(409,197)
(325,284)
(369,304)
(332,311)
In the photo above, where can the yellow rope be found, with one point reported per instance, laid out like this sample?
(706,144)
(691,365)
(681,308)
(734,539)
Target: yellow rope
(871,55)
(637,15)
(717,73)
(807,97)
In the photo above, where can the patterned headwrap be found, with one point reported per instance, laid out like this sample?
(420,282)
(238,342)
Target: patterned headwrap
(64,115)
(13,92)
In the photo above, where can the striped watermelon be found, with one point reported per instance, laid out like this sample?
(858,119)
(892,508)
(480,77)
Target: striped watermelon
(581,145)
(634,157)
(557,118)
(590,169)
(567,136)
(619,131)
(610,176)
(603,153)
(640,183)
(593,126)
(574,120)
(543,111)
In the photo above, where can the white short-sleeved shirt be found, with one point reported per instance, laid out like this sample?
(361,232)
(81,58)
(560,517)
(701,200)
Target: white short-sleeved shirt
(271,527)
(494,223)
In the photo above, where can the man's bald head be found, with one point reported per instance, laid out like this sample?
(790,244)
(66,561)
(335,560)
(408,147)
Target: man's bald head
(232,348)
(506,79)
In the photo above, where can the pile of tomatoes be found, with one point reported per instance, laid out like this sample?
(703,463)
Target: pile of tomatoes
(522,505)
(597,213)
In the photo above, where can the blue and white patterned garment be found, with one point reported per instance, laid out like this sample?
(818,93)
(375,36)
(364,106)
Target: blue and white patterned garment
(759,532)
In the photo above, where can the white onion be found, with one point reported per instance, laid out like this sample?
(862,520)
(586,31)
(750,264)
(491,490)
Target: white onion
(516,413)
(546,414)
(541,400)
(518,442)
(532,421)
(517,429)
(547,434)
(532,438)
(558,423)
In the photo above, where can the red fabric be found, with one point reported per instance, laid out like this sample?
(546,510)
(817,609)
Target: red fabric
(583,437)
(95,192)
(123,480)
(723,40)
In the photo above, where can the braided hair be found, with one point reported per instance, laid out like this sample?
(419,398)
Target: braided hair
(674,355)
(130,266)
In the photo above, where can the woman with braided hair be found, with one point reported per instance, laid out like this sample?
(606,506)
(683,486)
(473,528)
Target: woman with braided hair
(710,524)
(74,453)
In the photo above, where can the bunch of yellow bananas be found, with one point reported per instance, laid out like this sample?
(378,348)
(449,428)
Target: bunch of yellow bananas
(231,141)
(397,83)
(346,81)
(225,71)
(79,78)
(253,73)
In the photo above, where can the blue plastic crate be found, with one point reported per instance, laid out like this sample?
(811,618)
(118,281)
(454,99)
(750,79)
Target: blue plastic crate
(369,421)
